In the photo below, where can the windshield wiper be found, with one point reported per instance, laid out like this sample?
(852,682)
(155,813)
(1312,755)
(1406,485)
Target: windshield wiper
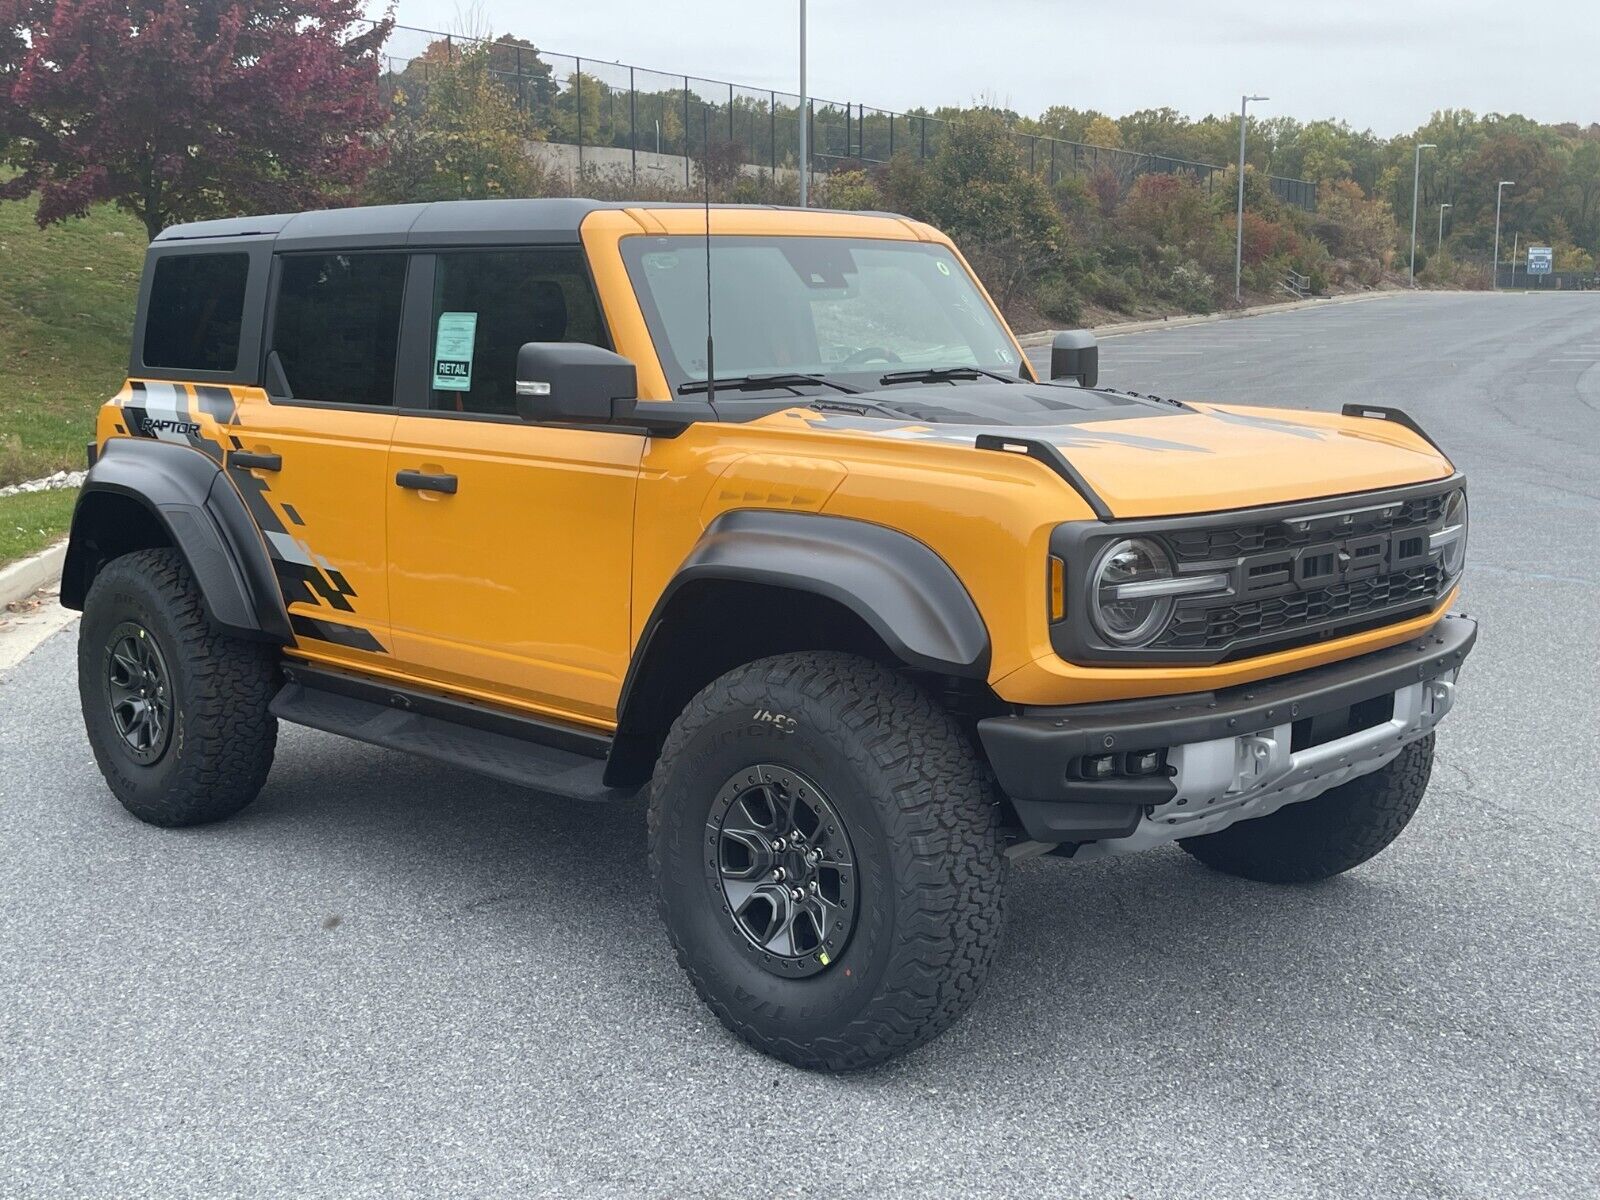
(944,374)
(752,383)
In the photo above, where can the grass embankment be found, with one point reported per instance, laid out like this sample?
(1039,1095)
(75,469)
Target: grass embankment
(66,306)
(32,520)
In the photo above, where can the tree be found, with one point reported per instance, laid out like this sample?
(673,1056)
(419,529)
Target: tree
(1003,217)
(1103,131)
(459,136)
(183,111)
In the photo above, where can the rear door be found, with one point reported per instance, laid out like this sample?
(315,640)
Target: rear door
(510,544)
(310,453)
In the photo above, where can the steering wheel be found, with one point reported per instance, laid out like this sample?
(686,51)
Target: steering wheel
(869,354)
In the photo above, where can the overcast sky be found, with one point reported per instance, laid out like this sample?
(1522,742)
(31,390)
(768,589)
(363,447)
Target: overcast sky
(1383,64)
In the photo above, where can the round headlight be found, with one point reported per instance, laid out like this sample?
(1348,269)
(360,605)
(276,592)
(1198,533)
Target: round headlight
(1452,538)
(1124,611)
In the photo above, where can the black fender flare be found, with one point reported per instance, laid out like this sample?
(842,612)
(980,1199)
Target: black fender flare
(900,589)
(188,495)
(905,592)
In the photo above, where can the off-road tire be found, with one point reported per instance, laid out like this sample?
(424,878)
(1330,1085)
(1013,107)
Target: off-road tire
(1325,836)
(922,818)
(221,737)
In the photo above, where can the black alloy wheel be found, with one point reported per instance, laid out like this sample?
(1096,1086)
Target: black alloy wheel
(139,692)
(780,857)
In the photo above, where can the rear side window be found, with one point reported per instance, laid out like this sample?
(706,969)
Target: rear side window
(337,325)
(196,308)
(486,304)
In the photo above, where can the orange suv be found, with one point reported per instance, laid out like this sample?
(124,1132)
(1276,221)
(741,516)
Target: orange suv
(866,607)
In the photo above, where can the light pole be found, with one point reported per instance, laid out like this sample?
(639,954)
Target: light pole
(805,156)
(1438,246)
(1416,177)
(1238,227)
(1494,282)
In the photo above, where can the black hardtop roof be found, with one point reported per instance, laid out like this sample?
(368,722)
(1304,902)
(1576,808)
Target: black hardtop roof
(442,222)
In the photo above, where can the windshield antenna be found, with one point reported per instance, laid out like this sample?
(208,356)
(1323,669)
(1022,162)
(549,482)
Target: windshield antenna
(705,179)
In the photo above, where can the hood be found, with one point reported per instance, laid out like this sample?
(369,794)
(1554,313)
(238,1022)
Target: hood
(1147,457)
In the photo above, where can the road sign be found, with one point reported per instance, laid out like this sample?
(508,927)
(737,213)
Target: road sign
(1540,260)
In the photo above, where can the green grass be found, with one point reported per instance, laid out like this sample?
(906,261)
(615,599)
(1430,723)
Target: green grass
(31,521)
(66,305)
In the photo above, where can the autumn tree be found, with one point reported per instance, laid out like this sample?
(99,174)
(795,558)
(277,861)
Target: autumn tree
(182,111)
(456,134)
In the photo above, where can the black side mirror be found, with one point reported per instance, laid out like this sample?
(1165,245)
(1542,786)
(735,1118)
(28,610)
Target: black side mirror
(573,381)
(1074,354)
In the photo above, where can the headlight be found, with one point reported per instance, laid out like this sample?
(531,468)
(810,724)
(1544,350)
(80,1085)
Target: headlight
(1451,540)
(1131,589)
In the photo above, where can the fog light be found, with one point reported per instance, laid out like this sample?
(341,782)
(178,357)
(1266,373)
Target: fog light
(1100,766)
(1145,762)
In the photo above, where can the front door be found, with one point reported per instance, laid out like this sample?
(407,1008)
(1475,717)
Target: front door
(510,544)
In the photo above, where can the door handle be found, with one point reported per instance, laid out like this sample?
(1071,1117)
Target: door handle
(423,482)
(256,462)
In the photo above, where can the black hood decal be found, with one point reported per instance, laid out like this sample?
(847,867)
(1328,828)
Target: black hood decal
(1033,405)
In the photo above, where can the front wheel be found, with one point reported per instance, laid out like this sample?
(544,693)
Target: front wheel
(1326,835)
(827,859)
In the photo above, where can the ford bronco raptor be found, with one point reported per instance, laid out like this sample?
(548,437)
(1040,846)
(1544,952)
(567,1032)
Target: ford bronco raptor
(866,606)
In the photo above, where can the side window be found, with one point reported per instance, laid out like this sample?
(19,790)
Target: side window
(337,325)
(196,308)
(486,304)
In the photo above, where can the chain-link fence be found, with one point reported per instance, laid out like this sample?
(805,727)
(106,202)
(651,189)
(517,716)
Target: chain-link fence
(598,115)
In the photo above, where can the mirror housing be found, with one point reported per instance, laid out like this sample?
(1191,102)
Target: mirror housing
(574,381)
(1074,354)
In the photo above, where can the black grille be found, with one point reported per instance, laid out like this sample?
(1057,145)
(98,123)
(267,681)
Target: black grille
(1218,627)
(1258,537)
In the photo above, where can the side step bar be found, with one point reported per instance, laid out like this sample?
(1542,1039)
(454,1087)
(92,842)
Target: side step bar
(522,756)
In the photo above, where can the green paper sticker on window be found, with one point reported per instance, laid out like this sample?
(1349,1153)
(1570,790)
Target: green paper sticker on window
(452,351)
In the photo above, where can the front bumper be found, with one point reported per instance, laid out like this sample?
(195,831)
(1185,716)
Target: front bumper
(1230,755)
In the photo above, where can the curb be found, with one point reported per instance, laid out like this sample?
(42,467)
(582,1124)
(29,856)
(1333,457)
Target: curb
(23,578)
(1031,341)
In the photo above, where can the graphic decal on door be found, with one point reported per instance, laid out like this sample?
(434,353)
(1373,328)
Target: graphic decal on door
(196,415)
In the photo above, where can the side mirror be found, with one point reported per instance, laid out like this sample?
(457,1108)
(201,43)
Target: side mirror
(1074,354)
(572,381)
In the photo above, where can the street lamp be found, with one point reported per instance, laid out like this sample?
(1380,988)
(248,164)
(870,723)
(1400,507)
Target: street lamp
(805,156)
(1238,227)
(1440,244)
(1498,192)
(1416,176)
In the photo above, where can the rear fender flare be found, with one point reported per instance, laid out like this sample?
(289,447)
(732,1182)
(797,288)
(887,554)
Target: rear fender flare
(204,518)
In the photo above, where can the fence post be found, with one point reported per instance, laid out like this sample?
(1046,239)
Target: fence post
(772,133)
(686,154)
(922,152)
(891,136)
(730,113)
(633,126)
(577,103)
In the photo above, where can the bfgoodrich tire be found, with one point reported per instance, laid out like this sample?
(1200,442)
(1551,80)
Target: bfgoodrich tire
(872,931)
(176,710)
(1328,835)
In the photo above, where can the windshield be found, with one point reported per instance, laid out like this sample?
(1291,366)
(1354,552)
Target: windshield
(854,309)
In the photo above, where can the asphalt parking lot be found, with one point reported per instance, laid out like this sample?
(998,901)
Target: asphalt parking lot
(388,978)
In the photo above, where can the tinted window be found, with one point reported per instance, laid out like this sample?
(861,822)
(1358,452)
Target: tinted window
(487,304)
(196,307)
(337,324)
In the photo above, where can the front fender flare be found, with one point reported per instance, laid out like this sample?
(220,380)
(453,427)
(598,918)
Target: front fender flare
(905,593)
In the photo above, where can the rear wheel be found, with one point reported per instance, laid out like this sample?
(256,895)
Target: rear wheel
(176,710)
(1327,835)
(827,860)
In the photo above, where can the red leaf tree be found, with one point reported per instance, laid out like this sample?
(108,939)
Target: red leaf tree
(180,111)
